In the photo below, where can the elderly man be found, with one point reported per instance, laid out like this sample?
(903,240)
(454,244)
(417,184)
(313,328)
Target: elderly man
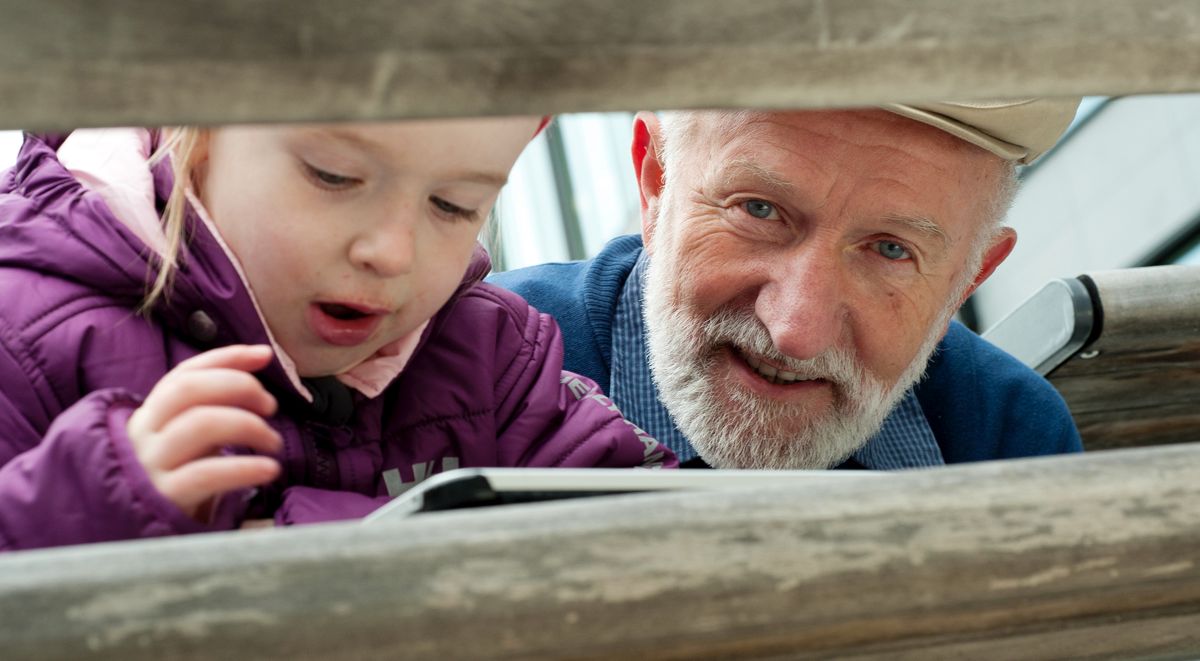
(792,304)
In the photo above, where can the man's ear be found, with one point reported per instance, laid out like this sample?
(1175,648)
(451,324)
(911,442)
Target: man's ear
(648,167)
(996,253)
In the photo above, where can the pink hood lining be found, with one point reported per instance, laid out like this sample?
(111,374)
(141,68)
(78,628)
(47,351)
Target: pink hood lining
(113,164)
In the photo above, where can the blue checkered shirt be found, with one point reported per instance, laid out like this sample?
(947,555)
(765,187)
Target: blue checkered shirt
(904,441)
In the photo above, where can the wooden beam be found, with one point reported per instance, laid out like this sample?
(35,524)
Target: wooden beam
(1088,556)
(69,63)
(1139,381)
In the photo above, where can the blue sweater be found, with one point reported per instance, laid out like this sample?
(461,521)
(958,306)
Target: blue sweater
(981,403)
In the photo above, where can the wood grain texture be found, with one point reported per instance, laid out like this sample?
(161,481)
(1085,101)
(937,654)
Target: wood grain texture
(1141,383)
(70,63)
(1089,556)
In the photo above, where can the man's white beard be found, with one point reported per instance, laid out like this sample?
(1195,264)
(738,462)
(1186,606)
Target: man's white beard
(733,428)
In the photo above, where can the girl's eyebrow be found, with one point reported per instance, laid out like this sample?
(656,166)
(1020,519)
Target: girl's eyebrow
(480,177)
(349,137)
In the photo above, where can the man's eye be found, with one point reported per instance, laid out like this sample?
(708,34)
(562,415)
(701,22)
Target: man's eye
(761,209)
(892,250)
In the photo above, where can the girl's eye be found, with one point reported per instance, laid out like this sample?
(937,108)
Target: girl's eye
(329,179)
(453,210)
(892,250)
(761,209)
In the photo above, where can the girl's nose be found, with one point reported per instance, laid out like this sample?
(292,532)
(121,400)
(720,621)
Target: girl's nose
(388,250)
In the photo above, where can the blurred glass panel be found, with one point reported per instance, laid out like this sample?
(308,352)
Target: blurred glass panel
(1192,256)
(591,194)
(598,157)
(529,224)
(10,143)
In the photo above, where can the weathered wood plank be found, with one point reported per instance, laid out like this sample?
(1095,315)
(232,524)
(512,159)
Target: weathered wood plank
(1063,557)
(68,63)
(1139,382)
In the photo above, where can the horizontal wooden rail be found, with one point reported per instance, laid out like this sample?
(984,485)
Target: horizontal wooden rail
(1068,557)
(68,63)
(1138,382)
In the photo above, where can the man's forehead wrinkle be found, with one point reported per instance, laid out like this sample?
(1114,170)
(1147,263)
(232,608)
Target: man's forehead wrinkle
(705,140)
(721,128)
(750,147)
(898,139)
(769,127)
(867,128)
(831,135)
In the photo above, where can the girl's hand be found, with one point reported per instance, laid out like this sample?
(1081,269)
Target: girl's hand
(207,402)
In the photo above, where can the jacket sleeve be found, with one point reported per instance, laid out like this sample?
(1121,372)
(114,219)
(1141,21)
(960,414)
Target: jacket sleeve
(303,505)
(80,482)
(548,417)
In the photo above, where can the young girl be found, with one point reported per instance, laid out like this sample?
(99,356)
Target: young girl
(316,340)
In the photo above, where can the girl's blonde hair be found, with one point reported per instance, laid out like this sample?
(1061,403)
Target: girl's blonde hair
(180,146)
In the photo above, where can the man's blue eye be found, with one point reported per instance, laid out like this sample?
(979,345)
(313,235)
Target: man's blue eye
(760,209)
(891,250)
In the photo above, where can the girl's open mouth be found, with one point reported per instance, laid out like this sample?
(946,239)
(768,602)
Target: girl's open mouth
(343,325)
(342,312)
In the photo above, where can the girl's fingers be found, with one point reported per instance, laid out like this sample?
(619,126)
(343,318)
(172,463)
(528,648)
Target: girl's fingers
(206,402)
(202,431)
(196,482)
(245,357)
(182,390)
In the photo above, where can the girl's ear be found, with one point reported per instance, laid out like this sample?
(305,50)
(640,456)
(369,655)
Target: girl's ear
(203,137)
(197,157)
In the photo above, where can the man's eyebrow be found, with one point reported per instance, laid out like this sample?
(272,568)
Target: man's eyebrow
(923,226)
(738,170)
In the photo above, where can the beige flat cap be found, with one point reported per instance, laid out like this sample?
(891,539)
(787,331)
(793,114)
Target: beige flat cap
(1018,130)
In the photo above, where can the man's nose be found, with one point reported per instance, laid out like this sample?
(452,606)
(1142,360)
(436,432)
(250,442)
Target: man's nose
(387,249)
(802,301)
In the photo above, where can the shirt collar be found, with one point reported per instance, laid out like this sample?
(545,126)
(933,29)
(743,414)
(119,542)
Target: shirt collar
(904,441)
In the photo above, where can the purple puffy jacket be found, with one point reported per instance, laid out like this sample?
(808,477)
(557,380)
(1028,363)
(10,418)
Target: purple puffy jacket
(485,386)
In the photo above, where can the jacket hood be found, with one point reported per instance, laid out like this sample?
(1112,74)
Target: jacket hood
(52,224)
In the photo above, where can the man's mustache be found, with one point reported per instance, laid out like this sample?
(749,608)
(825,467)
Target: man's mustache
(743,331)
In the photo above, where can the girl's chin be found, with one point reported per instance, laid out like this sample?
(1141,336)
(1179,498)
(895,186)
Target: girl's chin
(313,367)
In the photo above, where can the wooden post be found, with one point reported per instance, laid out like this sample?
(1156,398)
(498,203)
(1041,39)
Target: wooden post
(72,63)
(1089,556)
(1138,383)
